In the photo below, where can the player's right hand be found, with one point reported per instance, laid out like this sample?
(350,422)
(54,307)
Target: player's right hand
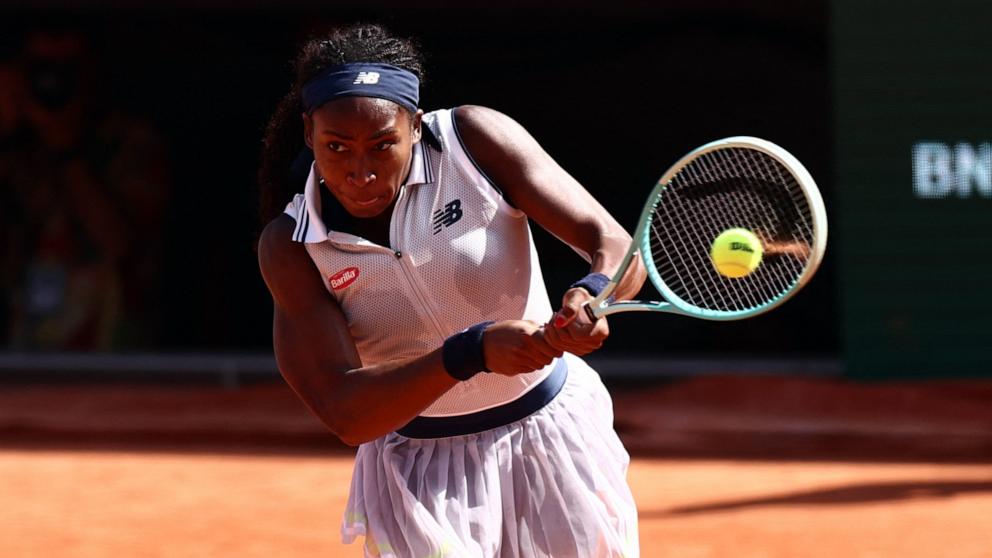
(516,347)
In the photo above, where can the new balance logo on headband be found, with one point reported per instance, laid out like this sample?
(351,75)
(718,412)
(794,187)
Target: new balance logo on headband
(367,78)
(360,78)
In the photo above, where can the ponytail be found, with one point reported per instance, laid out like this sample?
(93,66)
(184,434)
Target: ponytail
(281,145)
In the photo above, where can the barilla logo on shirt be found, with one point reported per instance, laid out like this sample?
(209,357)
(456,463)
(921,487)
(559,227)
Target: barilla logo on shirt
(343,278)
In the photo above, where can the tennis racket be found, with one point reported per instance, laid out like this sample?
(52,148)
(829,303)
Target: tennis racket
(733,183)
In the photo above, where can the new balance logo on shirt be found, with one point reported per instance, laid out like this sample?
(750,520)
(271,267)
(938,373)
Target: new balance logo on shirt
(367,78)
(448,216)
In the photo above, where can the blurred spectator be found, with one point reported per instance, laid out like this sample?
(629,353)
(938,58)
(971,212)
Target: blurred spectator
(83,191)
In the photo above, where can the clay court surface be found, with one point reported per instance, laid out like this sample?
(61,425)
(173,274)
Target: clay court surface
(731,466)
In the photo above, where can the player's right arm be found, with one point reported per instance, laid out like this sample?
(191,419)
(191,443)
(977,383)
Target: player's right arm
(317,356)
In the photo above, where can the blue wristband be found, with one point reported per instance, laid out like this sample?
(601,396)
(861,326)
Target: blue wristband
(462,352)
(594,283)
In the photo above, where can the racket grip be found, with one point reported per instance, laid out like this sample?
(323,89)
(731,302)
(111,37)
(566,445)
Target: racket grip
(592,315)
(593,283)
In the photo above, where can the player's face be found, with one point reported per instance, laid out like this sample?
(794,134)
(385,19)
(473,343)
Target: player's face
(363,147)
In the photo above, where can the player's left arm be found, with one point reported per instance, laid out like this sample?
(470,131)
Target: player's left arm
(538,186)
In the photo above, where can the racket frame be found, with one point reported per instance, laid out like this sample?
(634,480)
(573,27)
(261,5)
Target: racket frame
(641,244)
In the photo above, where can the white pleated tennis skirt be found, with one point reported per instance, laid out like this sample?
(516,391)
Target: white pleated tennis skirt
(550,485)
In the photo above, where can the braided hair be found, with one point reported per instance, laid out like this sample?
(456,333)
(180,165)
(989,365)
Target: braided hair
(283,141)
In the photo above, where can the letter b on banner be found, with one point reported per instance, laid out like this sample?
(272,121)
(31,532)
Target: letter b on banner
(940,171)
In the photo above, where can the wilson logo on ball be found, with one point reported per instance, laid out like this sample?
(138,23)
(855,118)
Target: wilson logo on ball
(741,246)
(343,278)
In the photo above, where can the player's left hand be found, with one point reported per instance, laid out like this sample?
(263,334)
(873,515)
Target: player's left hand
(571,329)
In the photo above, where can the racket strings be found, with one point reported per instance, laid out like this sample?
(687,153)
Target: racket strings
(742,298)
(779,221)
(804,221)
(681,213)
(742,197)
(719,190)
(716,296)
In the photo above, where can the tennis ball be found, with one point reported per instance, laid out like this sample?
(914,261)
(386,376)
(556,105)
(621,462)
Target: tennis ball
(736,252)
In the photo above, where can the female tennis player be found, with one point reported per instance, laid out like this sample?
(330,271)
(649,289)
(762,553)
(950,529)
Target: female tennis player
(411,316)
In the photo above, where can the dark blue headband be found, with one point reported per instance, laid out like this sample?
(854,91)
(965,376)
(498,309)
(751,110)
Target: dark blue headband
(362,79)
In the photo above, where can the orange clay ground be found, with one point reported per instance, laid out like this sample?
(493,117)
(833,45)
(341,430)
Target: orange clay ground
(732,466)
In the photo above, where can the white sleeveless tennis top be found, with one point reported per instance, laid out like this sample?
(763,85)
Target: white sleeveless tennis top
(459,254)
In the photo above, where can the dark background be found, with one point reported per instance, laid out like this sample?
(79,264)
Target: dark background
(615,93)
(915,290)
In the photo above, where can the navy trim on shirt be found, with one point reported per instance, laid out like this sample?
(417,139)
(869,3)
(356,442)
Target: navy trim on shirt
(454,124)
(427,135)
(520,408)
